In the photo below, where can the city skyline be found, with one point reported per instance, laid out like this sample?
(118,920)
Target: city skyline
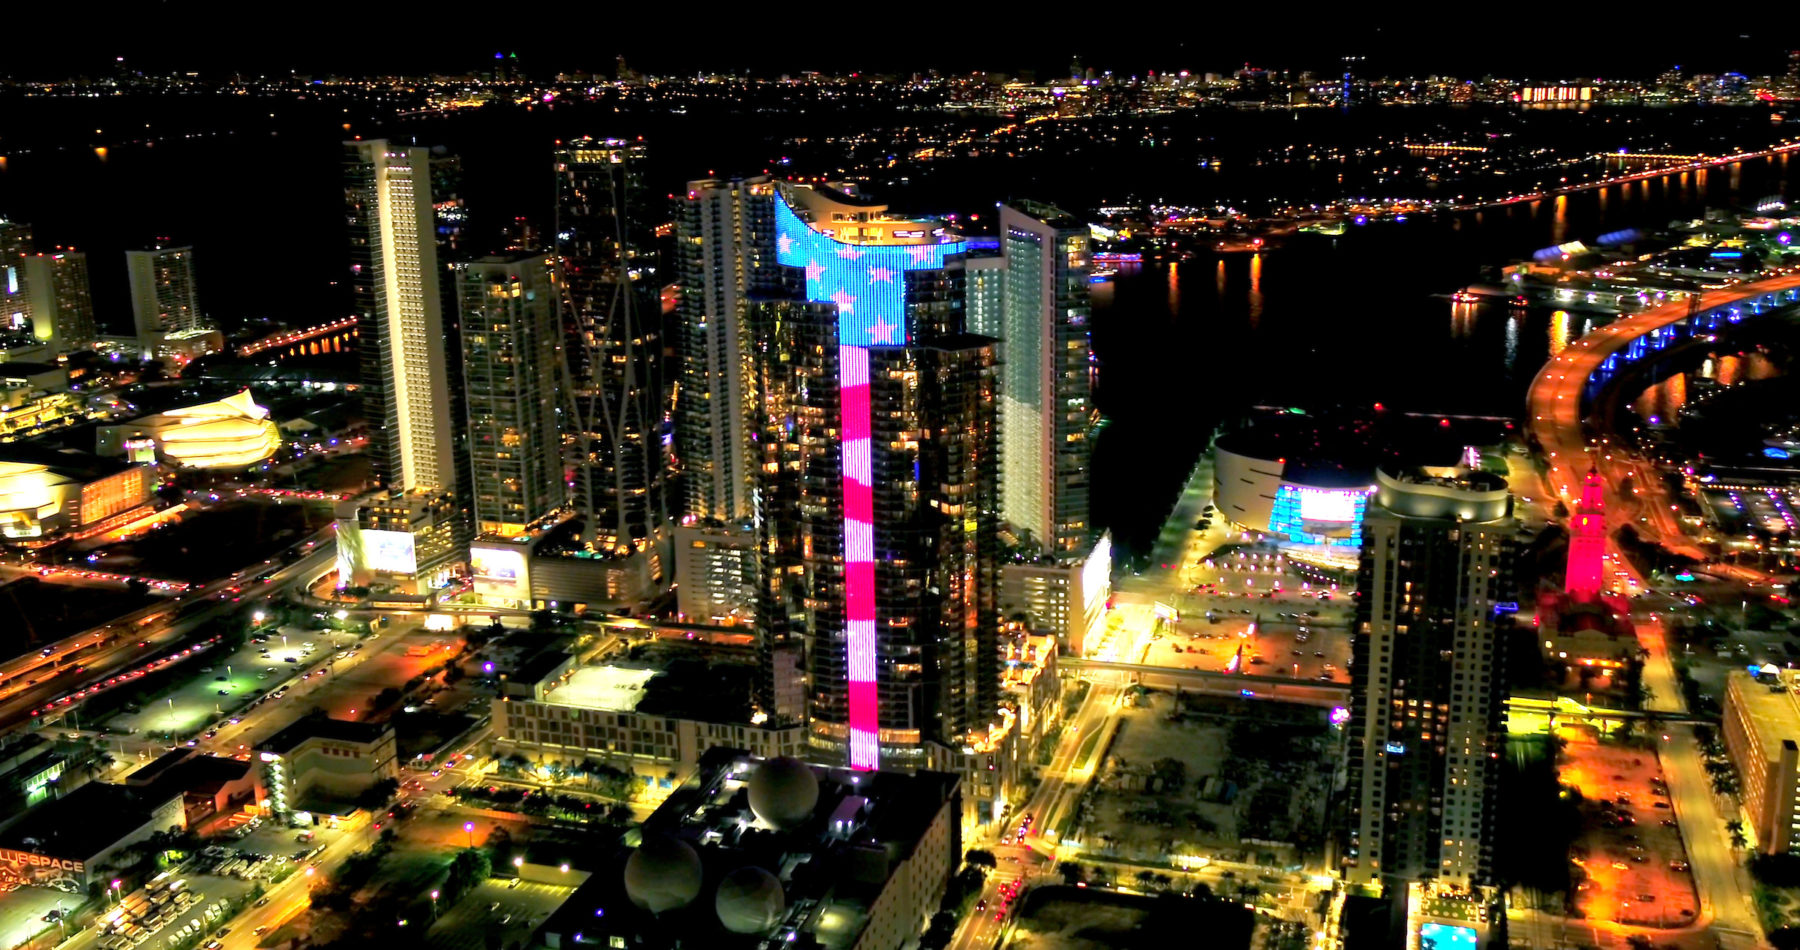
(1278,506)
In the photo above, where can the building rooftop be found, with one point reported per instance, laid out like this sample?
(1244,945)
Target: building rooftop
(1342,449)
(84,822)
(182,770)
(323,727)
(616,688)
(660,680)
(833,855)
(72,464)
(1774,715)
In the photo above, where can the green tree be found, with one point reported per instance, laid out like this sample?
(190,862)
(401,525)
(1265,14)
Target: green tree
(981,859)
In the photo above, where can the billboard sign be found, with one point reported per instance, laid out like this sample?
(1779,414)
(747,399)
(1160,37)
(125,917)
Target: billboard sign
(1329,506)
(390,552)
(500,572)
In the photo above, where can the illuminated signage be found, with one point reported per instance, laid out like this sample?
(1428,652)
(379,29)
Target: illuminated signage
(139,451)
(1506,607)
(1096,574)
(21,868)
(866,281)
(1322,516)
(390,552)
(1327,505)
(1396,748)
(500,572)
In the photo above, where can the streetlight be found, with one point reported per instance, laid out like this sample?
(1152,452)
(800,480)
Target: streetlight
(434,897)
(469,829)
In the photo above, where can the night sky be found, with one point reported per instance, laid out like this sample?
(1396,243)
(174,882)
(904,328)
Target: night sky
(769,39)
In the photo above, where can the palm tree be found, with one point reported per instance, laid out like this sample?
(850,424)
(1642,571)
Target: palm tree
(1736,829)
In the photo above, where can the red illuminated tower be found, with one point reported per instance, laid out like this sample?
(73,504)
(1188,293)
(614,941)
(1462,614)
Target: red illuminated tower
(1587,540)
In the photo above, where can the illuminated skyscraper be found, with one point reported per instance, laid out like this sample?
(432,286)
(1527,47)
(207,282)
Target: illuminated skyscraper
(162,291)
(1427,684)
(394,284)
(1047,406)
(15,296)
(724,234)
(62,306)
(1587,540)
(613,360)
(878,432)
(510,363)
(411,533)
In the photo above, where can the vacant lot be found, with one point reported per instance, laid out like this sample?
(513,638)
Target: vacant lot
(1193,776)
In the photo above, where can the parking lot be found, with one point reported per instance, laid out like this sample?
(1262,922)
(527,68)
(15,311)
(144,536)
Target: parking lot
(195,904)
(224,685)
(22,912)
(1630,861)
(507,909)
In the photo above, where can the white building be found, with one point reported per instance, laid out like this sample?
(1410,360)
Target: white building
(715,574)
(162,293)
(394,282)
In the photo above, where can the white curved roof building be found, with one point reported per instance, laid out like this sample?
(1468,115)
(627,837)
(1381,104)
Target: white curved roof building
(232,432)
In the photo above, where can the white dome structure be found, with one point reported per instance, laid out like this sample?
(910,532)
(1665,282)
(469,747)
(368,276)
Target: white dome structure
(783,792)
(749,901)
(663,874)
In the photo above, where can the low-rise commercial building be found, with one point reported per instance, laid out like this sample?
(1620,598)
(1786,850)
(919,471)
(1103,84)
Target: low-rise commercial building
(1062,596)
(715,574)
(210,786)
(320,764)
(666,710)
(1762,736)
(69,842)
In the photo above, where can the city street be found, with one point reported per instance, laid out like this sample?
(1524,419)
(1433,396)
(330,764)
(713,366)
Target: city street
(1555,405)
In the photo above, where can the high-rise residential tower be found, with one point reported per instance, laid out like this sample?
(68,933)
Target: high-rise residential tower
(15,296)
(877,426)
(1047,407)
(724,236)
(411,532)
(62,304)
(162,291)
(1427,685)
(394,283)
(613,360)
(510,365)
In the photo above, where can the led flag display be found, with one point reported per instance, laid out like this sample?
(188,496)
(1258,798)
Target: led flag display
(867,283)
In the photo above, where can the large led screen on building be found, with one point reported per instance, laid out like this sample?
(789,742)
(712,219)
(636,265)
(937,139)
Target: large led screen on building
(1319,516)
(866,281)
(1316,505)
(389,552)
(500,572)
